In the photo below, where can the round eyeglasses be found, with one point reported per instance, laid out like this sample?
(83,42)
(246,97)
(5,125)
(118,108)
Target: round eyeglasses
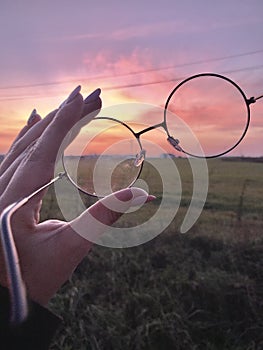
(205,116)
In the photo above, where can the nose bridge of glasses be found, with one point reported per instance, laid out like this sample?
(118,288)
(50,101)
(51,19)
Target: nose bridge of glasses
(149,128)
(174,142)
(140,157)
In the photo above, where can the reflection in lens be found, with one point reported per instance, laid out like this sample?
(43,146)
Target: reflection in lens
(102,158)
(213,108)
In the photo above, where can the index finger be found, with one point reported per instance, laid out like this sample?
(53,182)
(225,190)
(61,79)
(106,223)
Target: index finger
(49,143)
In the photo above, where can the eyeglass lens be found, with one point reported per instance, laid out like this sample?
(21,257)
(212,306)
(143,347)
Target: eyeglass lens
(214,109)
(104,157)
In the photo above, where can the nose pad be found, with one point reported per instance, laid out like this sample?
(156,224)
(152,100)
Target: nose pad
(139,158)
(175,143)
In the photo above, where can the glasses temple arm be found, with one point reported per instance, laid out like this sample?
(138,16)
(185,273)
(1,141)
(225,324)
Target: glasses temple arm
(254,99)
(19,307)
(257,98)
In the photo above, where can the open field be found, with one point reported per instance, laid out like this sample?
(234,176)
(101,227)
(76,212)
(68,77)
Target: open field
(199,290)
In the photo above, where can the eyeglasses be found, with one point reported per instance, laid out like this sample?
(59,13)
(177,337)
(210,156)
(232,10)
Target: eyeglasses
(205,116)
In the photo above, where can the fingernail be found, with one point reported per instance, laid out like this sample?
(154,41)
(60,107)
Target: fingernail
(93,96)
(150,198)
(71,97)
(140,200)
(32,117)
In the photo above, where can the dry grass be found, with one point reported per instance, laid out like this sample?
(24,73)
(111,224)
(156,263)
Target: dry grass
(201,290)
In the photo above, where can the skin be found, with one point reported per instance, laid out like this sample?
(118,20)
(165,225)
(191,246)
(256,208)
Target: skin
(50,251)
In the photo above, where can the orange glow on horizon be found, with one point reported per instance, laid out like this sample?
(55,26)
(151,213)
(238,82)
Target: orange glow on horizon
(226,122)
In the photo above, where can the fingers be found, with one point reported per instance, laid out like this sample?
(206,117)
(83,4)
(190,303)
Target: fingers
(26,137)
(32,120)
(96,219)
(15,150)
(19,152)
(35,127)
(37,165)
(50,142)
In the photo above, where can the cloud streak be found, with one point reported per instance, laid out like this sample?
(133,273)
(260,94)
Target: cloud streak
(159,29)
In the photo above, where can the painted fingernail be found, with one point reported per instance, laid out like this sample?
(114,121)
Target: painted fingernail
(150,198)
(71,97)
(93,96)
(32,117)
(140,200)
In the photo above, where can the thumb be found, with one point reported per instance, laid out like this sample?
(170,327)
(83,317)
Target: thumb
(104,213)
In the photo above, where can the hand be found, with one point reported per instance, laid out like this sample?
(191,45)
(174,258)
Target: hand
(50,251)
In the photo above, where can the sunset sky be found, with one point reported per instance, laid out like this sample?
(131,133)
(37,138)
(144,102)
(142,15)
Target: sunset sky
(136,51)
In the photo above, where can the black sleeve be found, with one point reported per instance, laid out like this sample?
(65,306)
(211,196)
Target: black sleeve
(35,333)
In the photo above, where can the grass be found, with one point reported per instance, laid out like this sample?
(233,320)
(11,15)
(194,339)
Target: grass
(197,291)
